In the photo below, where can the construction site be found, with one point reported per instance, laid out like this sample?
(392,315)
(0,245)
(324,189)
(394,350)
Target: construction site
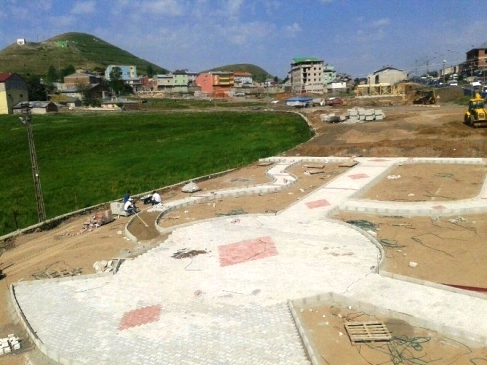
(364,245)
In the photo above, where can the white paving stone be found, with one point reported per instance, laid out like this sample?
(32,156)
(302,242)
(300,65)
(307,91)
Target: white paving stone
(237,314)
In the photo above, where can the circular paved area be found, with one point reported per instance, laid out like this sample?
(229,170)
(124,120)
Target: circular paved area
(227,302)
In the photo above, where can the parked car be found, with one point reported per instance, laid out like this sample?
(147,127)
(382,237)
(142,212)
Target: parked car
(334,101)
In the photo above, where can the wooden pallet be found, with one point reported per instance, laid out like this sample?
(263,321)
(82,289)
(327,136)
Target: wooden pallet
(365,332)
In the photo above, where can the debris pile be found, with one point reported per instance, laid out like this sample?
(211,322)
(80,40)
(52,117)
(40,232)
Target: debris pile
(190,188)
(9,344)
(355,115)
(184,253)
(98,220)
(55,270)
(108,266)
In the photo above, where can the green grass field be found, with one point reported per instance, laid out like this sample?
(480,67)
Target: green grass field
(90,158)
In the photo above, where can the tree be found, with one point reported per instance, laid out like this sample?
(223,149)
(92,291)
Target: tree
(116,83)
(150,70)
(90,98)
(36,89)
(67,71)
(52,75)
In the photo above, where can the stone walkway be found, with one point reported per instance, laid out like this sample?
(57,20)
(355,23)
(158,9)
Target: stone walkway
(226,303)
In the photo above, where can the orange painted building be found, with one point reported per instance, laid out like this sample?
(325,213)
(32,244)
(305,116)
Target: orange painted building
(216,84)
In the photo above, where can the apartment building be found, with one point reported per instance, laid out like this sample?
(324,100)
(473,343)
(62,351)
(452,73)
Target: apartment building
(215,83)
(307,75)
(13,90)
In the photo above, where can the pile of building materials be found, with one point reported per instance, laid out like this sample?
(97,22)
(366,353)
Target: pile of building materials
(355,115)
(108,266)
(9,344)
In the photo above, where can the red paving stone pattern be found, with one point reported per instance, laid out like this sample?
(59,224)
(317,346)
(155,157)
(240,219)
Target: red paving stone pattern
(358,176)
(140,316)
(318,203)
(249,250)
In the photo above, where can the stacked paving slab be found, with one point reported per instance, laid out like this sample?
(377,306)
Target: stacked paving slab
(355,115)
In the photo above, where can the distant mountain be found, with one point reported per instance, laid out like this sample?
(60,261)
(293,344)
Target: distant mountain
(258,74)
(81,50)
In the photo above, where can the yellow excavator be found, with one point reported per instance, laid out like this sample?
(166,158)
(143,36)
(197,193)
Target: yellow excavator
(476,112)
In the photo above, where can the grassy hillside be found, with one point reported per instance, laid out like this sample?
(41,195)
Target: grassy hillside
(90,158)
(83,51)
(258,74)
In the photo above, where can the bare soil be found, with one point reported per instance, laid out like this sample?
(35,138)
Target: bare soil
(445,252)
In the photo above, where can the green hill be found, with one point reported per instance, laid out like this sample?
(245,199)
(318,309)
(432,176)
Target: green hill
(258,74)
(81,50)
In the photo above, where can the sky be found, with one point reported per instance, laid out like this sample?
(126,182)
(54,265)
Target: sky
(357,37)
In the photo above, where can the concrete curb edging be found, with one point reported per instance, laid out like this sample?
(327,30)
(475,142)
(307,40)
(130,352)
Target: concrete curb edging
(303,334)
(331,298)
(250,190)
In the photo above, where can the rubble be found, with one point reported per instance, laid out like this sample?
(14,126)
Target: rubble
(108,266)
(190,188)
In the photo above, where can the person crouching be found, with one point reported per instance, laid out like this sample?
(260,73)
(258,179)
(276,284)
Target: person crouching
(130,207)
(156,198)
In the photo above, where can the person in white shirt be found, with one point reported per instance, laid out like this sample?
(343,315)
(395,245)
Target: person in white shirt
(156,198)
(129,207)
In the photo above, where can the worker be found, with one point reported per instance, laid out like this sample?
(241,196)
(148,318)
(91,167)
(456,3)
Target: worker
(127,196)
(130,207)
(156,198)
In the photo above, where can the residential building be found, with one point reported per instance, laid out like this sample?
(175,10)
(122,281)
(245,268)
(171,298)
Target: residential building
(13,90)
(81,78)
(337,87)
(98,91)
(128,72)
(163,82)
(476,62)
(191,75)
(242,79)
(176,82)
(386,75)
(307,75)
(329,74)
(37,107)
(217,83)
(181,82)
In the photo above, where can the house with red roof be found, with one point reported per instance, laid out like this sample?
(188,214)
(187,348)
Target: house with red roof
(13,90)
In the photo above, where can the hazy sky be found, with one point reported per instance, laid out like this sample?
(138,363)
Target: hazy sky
(355,36)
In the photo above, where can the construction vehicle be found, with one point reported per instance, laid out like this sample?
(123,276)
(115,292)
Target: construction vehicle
(476,112)
(425,97)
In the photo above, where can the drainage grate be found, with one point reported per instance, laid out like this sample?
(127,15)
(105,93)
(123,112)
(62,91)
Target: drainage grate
(361,332)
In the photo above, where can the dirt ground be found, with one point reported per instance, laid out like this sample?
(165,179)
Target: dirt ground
(449,250)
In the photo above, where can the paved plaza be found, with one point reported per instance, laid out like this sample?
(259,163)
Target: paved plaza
(217,291)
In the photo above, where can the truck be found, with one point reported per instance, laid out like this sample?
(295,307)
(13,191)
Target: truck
(476,113)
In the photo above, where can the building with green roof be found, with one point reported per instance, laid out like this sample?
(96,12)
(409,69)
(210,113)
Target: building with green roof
(307,75)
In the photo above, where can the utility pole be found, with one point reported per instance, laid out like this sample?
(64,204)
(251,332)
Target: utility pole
(26,119)
(444,71)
